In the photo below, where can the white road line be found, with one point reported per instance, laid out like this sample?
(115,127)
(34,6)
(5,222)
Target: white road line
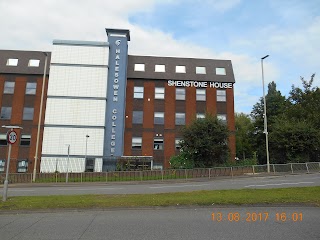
(21,190)
(278,184)
(193,185)
(87,189)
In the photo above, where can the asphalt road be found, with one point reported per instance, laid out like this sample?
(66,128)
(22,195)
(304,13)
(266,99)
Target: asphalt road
(301,223)
(161,187)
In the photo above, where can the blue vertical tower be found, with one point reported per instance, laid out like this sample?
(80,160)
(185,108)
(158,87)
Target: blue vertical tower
(116,97)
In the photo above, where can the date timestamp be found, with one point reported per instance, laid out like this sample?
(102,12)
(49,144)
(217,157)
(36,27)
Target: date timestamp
(256,217)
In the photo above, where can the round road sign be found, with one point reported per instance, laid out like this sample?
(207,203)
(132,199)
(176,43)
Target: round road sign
(12,137)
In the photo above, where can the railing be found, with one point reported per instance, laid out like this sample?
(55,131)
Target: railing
(162,175)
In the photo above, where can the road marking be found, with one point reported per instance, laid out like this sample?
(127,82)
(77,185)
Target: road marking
(175,186)
(21,190)
(278,184)
(87,189)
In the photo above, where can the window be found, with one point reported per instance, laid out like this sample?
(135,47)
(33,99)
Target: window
(28,113)
(201,115)
(159,68)
(220,71)
(9,87)
(22,166)
(136,142)
(222,117)
(180,94)
(2,164)
(137,117)
(180,118)
(158,118)
(200,70)
(5,112)
(139,67)
(200,94)
(12,62)
(159,93)
(177,143)
(221,96)
(25,140)
(34,63)
(138,92)
(180,69)
(158,144)
(31,88)
(3,139)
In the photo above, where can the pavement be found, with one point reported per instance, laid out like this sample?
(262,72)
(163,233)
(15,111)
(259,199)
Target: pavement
(222,223)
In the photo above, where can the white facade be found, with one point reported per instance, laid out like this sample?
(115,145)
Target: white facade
(76,106)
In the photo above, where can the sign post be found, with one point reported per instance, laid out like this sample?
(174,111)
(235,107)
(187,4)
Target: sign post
(11,139)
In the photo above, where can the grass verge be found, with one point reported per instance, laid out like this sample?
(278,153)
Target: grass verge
(306,195)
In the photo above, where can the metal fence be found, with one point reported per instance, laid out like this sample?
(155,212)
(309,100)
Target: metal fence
(162,175)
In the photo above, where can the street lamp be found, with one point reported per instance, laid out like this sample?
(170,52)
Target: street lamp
(67,176)
(40,116)
(85,157)
(11,138)
(265,116)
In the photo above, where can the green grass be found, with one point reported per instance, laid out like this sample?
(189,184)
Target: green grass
(305,195)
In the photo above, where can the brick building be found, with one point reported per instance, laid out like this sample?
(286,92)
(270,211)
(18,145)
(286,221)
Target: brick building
(102,103)
(21,78)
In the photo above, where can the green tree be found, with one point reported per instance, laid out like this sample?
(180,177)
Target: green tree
(244,137)
(205,141)
(276,105)
(294,141)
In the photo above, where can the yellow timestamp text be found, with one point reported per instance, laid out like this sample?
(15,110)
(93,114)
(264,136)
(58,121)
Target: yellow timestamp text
(256,217)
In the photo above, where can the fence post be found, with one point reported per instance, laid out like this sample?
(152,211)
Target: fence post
(106,176)
(31,177)
(209,172)
(307,167)
(161,174)
(185,172)
(291,168)
(253,170)
(141,176)
(231,173)
(274,169)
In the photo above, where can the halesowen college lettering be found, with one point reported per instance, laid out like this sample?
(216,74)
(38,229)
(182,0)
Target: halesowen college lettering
(115,98)
(198,84)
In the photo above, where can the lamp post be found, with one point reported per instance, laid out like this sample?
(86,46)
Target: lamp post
(85,157)
(265,116)
(67,176)
(40,116)
(11,139)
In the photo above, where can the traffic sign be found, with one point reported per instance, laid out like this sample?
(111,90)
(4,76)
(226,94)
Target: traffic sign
(12,137)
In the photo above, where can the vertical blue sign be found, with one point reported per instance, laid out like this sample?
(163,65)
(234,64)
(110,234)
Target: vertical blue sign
(116,97)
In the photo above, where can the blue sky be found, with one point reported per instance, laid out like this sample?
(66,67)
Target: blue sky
(240,30)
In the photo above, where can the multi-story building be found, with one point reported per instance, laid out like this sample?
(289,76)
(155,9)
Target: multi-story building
(103,104)
(21,80)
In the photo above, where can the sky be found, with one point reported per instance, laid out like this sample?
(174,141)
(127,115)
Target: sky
(242,31)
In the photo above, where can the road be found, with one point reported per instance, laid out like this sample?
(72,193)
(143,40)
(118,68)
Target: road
(165,223)
(152,187)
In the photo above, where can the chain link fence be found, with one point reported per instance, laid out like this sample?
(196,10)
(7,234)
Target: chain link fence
(162,175)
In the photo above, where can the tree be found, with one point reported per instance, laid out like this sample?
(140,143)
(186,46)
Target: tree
(276,105)
(205,141)
(244,138)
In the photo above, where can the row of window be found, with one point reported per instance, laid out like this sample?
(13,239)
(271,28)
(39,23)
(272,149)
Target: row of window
(25,139)
(158,143)
(140,67)
(30,88)
(180,118)
(14,62)
(159,93)
(7,111)
(22,166)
